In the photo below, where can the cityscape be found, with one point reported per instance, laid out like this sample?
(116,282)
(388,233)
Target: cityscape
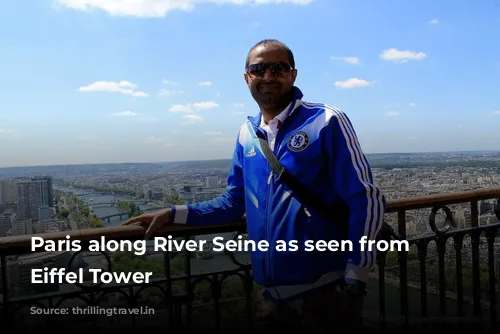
(46,199)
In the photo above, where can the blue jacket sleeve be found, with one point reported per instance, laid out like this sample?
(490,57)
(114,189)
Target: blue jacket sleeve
(353,182)
(224,209)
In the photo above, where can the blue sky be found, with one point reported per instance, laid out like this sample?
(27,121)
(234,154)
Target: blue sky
(87,81)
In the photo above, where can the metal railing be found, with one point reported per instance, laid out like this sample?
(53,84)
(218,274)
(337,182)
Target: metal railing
(460,252)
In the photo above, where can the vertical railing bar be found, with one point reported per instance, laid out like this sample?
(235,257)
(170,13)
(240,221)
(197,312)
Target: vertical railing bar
(459,241)
(403,275)
(422,254)
(491,274)
(498,284)
(167,271)
(248,286)
(216,294)
(441,243)
(189,288)
(475,237)
(381,292)
(5,290)
(132,302)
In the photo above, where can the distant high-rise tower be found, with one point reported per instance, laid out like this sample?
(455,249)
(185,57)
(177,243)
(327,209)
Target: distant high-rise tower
(28,199)
(46,189)
(32,194)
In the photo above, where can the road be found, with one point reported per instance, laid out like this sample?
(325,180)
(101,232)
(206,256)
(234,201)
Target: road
(73,224)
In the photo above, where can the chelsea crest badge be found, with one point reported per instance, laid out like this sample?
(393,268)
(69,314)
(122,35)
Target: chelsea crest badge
(298,141)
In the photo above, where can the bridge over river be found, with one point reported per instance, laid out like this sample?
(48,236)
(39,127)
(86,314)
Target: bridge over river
(125,214)
(87,203)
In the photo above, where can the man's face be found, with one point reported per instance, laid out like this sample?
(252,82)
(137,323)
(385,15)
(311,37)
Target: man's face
(269,76)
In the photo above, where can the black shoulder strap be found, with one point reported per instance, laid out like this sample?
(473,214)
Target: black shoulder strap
(338,215)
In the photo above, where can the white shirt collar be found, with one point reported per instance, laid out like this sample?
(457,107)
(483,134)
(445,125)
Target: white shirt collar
(280,117)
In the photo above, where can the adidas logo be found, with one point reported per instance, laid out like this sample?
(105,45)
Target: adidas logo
(251,153)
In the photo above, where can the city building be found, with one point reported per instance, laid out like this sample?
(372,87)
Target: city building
(8,191)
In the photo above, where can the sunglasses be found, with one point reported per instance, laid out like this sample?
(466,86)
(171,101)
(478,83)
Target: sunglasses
(278,69)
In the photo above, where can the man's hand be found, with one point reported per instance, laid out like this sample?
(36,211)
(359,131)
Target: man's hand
(152,221)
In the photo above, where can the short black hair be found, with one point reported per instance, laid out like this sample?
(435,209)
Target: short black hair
(272,43)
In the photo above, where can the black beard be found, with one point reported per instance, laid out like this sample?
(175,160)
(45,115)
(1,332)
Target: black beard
(272,101)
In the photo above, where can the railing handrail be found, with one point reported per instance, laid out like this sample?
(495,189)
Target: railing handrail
(20,244)
(420,202)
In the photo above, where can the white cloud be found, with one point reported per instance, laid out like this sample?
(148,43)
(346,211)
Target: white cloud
(205,105)
(212,133)
(8,132)
(166,92)
(352,83)
(158,8)
(137,116)
(350,60)
(205,83)
(124,87)
(155,140)
(180,108)
(238,105)
(159,141)
(434,21)
(88,138)
(392,113)
(170,83)
(190,107)
(460,126)
(401,56)
(126,113)
(146,118)
(496,112)
(412,104)
(224,140)
(192,119)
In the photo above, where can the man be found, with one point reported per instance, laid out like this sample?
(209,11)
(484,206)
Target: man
(317,144)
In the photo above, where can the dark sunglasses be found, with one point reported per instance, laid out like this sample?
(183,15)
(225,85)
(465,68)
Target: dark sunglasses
(277,69)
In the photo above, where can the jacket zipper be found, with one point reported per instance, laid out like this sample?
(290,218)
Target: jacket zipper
(268,204)
(266,220)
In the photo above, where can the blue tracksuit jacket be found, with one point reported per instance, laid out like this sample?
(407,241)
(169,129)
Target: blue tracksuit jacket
(317,144)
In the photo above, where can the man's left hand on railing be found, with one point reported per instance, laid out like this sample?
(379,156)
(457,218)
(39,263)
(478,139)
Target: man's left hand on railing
(152,221)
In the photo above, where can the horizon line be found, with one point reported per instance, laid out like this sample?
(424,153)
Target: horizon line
(202,160)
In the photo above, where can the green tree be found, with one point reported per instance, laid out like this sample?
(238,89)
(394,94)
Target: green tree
(94,222)
(85,211)
(64,214)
